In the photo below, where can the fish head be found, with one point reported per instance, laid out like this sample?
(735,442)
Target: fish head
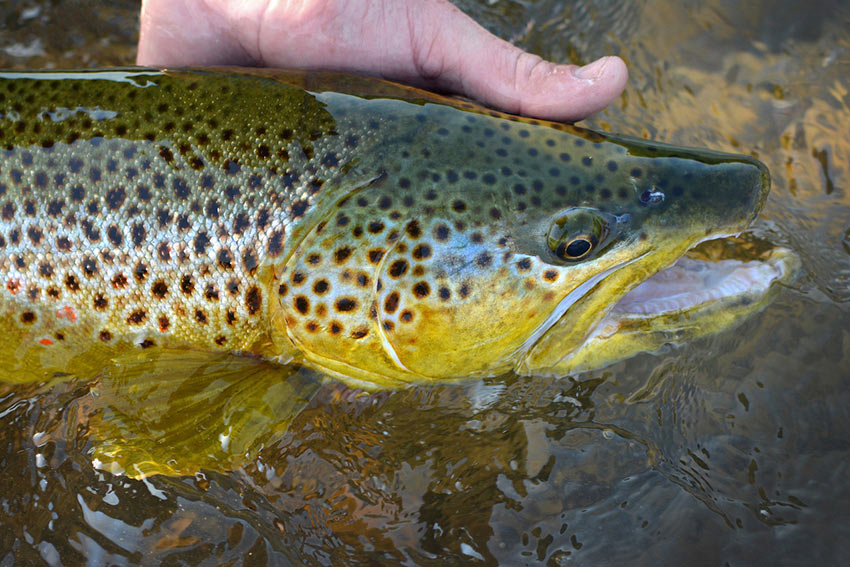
(463,265)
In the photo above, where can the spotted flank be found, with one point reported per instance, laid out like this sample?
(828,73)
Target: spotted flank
(376,233)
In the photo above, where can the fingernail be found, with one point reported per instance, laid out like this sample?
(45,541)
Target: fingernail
(591,71)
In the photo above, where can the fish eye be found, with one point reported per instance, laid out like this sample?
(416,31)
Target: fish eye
(575,234)
(576,249)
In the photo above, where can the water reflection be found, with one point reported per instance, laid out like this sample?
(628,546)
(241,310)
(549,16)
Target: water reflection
(732,449)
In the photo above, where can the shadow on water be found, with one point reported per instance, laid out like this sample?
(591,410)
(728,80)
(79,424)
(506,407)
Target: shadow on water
(730,450)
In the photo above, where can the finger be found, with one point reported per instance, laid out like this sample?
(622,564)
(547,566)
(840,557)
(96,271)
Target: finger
(188,32)
(458,54)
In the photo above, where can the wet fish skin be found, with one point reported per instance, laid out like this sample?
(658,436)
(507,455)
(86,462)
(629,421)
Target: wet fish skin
(382,241)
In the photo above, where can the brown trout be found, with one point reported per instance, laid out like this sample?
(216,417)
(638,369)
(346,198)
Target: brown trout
(383,241)
(381,235)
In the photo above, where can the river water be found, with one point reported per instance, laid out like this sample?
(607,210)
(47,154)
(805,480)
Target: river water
(731,450)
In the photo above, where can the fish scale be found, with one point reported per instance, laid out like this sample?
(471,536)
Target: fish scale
(381,240)
(151,241)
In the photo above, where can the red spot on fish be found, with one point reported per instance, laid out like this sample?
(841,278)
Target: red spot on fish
(46,342)
(68,313)
(13,285)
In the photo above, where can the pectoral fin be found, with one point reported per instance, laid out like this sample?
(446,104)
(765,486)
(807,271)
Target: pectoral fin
(175,413)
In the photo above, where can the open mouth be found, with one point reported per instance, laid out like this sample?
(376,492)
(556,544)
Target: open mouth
(726,273)
(710,289)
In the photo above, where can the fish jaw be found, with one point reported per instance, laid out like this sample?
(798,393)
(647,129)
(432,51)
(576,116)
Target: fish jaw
(689,300)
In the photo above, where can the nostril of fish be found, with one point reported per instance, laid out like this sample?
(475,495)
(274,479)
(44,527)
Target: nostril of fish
(651,197)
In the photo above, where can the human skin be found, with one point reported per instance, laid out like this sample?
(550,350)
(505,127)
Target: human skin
(426,43)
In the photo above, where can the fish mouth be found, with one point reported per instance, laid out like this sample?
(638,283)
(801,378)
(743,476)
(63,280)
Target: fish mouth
(714,286)
(692,283)
(710,288)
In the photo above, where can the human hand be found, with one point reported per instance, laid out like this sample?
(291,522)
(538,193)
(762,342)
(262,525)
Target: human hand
(426,43)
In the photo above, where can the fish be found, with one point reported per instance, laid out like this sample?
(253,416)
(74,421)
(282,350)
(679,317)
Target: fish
(374,233)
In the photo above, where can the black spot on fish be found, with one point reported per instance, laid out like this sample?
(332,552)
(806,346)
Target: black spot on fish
(114,235)
(100,302)
(163,217)
(35,234)
(253,300)
(164,251)
(275,244)
(342,254)
(250,261)
(421,290)
(320,287)
(137,234)
(140,272)
(330,160)
(202,240)
(232,192)
(241,222)
(213,208)
(115,198)
(422,252)
(391,302)
(398,268)
(8,211)
(484,260)
(54,207)
(144,192)
(302,305)
(441,232)
(346,304)
(89,266)
(137,317)
(159,289)
(71,283)
(187,284)
(375,255)
(181,188)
